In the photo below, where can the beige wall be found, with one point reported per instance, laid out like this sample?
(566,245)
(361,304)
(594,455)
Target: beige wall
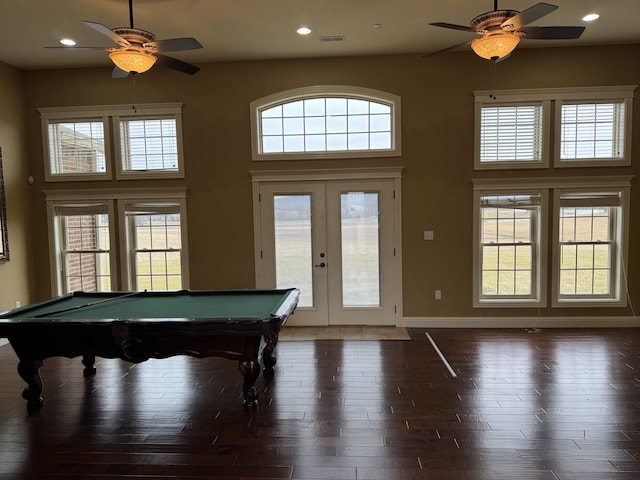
(437,111)
(14,275)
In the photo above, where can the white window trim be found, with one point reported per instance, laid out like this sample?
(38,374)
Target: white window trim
(553,99)
(623,94)
(170,110)
(109,114)
(618,297)
(538,296)
(49,176)
(511,98)
(126,260)
(115,200)
(557,184)
(319,91)
(56,268)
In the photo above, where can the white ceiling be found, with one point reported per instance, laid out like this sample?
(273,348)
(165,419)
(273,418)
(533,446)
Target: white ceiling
(265,29)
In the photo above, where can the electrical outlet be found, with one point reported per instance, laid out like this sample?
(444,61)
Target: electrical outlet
(438,295)
(18,304)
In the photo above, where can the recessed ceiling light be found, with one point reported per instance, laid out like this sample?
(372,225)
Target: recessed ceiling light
(303,31)
(68,42)
(591,17)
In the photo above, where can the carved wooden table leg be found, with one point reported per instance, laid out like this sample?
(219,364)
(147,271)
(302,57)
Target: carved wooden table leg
(250,370)
(28,371)
(268,358)
(89,362)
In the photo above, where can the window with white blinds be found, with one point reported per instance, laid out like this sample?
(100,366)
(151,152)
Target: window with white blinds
(513,128)
(149,146)
(77,148)
(511,134)
(326,122)
(592,131)
(146,140)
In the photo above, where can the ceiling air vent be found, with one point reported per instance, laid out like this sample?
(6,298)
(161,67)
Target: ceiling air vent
(332,38)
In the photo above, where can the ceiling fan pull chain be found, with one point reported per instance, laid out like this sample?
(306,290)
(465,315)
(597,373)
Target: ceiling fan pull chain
(492,79)
(133,106)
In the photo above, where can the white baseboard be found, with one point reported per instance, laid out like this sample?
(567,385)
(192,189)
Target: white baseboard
(520,322)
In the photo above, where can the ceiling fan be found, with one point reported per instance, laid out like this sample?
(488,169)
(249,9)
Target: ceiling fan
(502,30)
(138,50)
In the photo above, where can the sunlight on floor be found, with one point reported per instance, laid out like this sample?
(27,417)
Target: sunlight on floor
(343,333)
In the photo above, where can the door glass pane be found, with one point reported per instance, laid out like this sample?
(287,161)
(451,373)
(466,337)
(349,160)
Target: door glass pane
(360,233)
(292,225)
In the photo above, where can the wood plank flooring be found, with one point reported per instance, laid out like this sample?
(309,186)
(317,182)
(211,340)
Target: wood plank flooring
(344,333)
(526,405)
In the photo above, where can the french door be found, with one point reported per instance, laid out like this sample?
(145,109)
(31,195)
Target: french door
(335,240)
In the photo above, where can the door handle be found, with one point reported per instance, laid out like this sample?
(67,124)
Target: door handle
(321,265)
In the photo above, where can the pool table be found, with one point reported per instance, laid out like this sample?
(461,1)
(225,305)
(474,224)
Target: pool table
(240,325)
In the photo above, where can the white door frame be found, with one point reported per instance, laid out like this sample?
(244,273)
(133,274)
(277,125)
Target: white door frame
(261,177)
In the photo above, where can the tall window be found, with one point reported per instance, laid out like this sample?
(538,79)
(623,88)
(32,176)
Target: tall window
(590,219)
(326,122)
(508,252)
(149,240)
(154,234)
(590,236)
(83,234)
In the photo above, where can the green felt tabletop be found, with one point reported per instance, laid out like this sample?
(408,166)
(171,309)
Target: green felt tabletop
(240,304)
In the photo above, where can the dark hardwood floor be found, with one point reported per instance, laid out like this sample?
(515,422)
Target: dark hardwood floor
(526,405)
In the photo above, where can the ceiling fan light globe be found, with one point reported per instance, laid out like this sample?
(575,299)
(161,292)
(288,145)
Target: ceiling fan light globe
(132,62)
(496,45)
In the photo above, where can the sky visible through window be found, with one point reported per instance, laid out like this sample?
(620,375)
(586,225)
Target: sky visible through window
(326,124)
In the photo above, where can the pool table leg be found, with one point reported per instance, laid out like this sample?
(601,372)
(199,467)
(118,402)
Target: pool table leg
(268,358)
(29,372)
(89,362)
(250,370)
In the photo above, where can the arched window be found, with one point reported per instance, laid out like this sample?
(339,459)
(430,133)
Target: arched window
(325,122)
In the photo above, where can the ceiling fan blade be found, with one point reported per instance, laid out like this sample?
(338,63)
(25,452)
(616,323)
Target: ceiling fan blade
(98,27)
(453,26)
(119,73)
(552,33)
(448,49)
(176,44)
(527,16)
(176,64)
